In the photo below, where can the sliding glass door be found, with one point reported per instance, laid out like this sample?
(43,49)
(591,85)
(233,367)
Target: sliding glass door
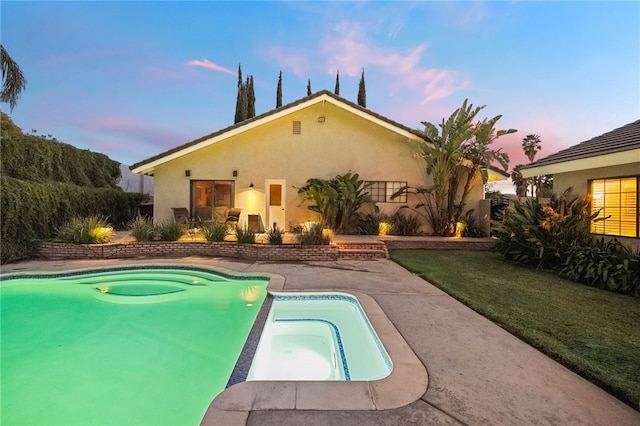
(211,199)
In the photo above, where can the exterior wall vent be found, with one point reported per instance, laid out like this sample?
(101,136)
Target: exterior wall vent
(297,127)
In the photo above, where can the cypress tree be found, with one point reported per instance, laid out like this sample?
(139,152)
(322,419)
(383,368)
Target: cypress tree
(362,92)
(251,98)
(309,87)
(337,89)
(279,91)
(240,99)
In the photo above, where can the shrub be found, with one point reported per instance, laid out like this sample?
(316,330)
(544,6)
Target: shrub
(275,235)
(85,230)
(313,235)
(535,235)
(405,224)
(472,226)
(170,230)
(604,264)
(365,223)
(142,229)
(244,235)
(213,231)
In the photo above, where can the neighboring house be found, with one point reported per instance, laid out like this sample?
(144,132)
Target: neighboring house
(257,164)
(607,168)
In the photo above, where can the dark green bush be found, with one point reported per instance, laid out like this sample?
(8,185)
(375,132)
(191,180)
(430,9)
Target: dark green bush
(472,226)
(41,159)
(275,235)
(214,232)
(85,230)
(403,223)
(365,223)
(244,235)
(33,211)
(170,230)
(604,264)
(556,237)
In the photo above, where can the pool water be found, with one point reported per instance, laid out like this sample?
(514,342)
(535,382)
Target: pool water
(123,347)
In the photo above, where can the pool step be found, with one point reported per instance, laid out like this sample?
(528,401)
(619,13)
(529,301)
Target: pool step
(362,250)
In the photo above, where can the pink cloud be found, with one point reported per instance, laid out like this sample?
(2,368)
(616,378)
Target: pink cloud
(210,65)
(354,52)
(296,62)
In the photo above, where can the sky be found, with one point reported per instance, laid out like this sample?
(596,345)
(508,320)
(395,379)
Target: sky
(134,79)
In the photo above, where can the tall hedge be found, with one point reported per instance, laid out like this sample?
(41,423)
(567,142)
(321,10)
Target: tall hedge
(32,211)
(44,183)
(41,159)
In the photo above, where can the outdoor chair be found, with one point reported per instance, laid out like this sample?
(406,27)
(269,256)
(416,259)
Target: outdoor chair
(233,216)
(181,214)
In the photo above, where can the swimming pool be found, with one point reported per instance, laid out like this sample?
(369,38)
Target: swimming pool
(121,346)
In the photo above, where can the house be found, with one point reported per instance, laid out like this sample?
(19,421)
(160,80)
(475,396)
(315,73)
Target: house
(257,164)
(607,168)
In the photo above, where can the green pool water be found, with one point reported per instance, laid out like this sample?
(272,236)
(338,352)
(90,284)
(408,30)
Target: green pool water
(134,347)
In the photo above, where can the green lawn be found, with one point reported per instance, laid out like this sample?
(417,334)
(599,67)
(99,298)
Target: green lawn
(593,332)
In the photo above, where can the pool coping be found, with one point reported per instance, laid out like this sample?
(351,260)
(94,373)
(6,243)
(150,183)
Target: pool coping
(407,382)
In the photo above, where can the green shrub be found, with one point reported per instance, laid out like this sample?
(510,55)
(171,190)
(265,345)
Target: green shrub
(275,235)
(472,226)
(170,230)
(244,235)
(365,223)
(85,230)
(142,229)
(535,235)
(313,235)
(604,264)
(213,231)
(405,223)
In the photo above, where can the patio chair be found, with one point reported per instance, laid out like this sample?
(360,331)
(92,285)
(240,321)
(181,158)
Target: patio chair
(181,214)
(233,216)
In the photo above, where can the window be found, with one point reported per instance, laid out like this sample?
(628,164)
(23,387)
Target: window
(617,201)
(211,199)
(381,191)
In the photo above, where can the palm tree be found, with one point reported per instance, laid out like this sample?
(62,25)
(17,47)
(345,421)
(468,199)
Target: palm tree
(531,144)
(519,182)
(13,81)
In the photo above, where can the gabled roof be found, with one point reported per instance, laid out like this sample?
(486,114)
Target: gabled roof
(619,146)
(147,166)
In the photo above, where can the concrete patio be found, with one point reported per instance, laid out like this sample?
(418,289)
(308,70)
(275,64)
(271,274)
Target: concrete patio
(478,373)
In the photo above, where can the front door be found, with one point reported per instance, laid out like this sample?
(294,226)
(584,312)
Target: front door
(276,200)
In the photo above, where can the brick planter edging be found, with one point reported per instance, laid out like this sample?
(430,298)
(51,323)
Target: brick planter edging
(59,251)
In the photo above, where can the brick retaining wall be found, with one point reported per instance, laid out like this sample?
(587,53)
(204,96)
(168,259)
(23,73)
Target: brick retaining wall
(58,251)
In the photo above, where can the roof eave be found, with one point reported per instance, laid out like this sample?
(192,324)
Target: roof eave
(606,160)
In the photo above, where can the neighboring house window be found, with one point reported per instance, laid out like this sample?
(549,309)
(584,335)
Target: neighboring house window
(381,191)
(618,199)
(211,199)
(297,127)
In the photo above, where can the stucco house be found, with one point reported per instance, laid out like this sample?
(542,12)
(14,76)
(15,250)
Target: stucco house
(257,164)
(607,167)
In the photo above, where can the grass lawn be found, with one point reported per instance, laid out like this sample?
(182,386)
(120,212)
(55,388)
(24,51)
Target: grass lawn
(593,332)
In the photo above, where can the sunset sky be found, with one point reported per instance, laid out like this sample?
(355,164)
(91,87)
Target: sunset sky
(133,79)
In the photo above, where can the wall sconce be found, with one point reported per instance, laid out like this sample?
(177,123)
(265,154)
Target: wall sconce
(235,172)
(251,185)
(187,173)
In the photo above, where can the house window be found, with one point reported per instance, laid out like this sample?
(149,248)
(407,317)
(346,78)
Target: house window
(381,191)
(211,199)
(617,201)
(297,127)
